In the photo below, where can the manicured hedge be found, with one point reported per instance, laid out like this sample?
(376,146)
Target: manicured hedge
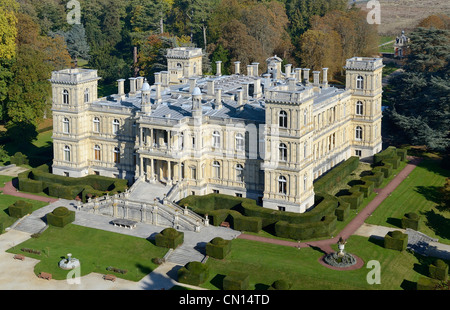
(236,281)
(396,240)
(334,176)
(60,217)
(218,248)
(193,273)
(19,209)
(438,270)
(411,220)
(304,231)
(354,199)
(169,238)
(40,180)
(282,285)
(426,283)
(343,210)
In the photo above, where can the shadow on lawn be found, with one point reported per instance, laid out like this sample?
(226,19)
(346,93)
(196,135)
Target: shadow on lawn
(438,223)
(431,193)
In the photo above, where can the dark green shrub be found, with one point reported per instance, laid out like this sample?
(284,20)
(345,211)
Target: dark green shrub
(31,186)
(247,223)
(396,240)
(19,159)
(402,153)
(236,281)
(169,238)
(19,209)
(438,270)
(60,217)
(425,283)
(193,273)
(354,199)
(342,211)
(304,231)
(282,285)
(376,177)
(411,220)
(218,248)
(335,175)
(390,152)
(394,161)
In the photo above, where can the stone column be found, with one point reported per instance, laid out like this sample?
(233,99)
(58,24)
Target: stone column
(306,76)
(121,87)
(325,78)
(237,67)
(255,68)
(219,68)
(132,85)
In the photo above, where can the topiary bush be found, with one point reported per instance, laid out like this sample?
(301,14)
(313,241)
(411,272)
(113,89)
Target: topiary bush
(218,248)
(396,240)
(60,217)
(19,159)
(281,285)
(169,238)
(193,273)
(236,281)
(19,209)
(411,220)
(438,270)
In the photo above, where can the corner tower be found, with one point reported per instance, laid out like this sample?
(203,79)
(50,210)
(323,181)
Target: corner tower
(364,81)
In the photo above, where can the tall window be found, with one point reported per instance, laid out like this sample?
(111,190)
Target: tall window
(359,108)
(116,125)
(359,82)
(65,96)
(193,173)
(96,124)
(216,169)
(97,152)
(239,173)
(283,119)
(86,95)
(116,155)
(358,133)
(67,153)
(239,142)
(66,125)
(216,139)
(283,152)
(282,185)
(305,117)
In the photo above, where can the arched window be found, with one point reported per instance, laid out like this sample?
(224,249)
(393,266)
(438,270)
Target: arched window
(282,185)
(116,125)
(67,153)
(240,142)
(239,173)
(86,95)
(359,108)
(65,96)
(283,152)
(216,139)
(358,133)
(216,169)
(283,119)
(96,124)
(359,82)
(117,155)
(66,125)
(97,152)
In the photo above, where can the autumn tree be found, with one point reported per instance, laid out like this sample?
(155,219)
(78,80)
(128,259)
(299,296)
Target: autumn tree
(439,21)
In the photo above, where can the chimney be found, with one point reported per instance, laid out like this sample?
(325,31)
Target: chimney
(305,76)
(139,83)
(245,89)
(218,98)
(165,79)
(240,100)
(249,70)
(192,84)
(267,81)
(325,78)
(210,87)
(219,68)
(255,68)
(157,77)
(287,70)
(158,97)
(257,90)
(121,87)
(291,83)
(132,85)
(316,78)
(298,74)
(237,67)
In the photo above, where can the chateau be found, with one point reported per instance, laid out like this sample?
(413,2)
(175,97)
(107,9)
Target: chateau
(264,137)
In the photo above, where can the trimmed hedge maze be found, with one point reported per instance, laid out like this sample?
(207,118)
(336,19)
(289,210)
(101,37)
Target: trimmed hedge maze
(40,180)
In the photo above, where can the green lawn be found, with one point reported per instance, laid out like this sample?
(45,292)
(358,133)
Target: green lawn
(7,200)
(418,193)
(96,250)
(266,263)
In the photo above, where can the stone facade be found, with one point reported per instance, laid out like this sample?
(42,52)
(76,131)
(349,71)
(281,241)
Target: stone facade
(264,137)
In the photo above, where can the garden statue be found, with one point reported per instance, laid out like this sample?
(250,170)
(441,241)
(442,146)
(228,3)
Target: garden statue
(341,245)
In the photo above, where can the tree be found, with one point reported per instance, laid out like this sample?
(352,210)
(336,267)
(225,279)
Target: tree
(8,29)
(75,39)
(439,21)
